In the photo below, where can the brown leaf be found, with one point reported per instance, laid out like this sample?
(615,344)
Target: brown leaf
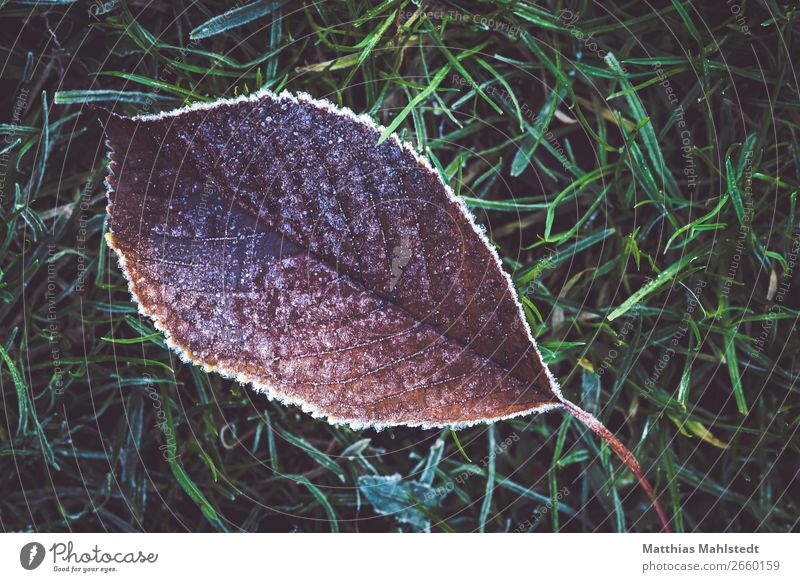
(273,242)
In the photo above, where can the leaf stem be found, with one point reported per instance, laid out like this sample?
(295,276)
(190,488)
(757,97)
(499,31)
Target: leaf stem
(623,453)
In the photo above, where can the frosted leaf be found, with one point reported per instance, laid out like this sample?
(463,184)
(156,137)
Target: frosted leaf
(274,242)
(402,499)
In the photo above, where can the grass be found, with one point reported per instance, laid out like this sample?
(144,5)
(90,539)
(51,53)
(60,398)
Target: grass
(638,169)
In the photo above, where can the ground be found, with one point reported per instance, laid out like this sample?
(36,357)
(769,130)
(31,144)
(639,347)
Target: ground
(636,166)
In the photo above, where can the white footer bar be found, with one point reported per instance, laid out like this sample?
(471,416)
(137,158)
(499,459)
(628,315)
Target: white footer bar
(389,557)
